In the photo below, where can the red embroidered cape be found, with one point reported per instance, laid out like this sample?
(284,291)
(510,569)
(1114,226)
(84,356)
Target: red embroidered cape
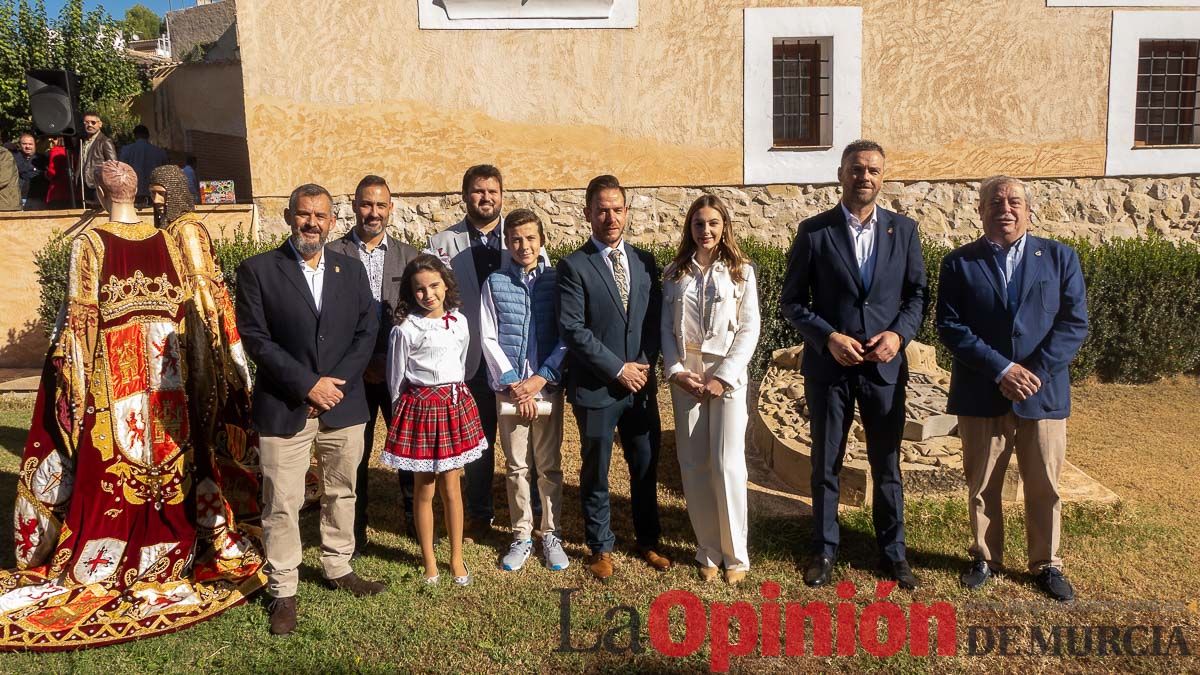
(139,469)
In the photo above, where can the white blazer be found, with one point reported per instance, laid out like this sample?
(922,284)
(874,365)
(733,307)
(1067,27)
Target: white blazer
(732,329)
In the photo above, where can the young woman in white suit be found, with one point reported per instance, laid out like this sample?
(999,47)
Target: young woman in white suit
(710,327)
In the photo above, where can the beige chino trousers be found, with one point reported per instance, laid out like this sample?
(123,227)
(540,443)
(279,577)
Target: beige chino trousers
(1041,448)
(285,461)
(541,441)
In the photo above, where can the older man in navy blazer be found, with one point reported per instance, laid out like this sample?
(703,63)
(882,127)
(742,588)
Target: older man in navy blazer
(308,321)
(855,289)
(1012,310)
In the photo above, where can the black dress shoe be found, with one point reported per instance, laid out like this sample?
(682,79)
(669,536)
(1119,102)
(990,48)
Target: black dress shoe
(976,575)
(900,572)
(1052,582)
(818,570)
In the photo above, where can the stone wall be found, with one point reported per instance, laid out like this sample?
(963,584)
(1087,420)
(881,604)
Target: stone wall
(1094,209)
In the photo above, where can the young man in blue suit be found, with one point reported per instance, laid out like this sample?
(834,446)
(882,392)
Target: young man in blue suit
(1012,310)
(855,289)
(610,299)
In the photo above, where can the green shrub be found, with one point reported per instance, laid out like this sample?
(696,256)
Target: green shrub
(232,251)
(1143,300)
(1143,309)
(52,262)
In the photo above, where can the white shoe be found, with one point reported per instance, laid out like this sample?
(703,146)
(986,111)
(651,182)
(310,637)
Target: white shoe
(518,553)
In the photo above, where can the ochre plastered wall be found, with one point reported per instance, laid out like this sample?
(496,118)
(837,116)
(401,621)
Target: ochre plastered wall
(953,89)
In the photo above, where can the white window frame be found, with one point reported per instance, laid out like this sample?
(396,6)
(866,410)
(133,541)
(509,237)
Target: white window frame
(762,163)
(1129,28)
(547,14)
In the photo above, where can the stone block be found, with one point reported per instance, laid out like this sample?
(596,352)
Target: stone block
(781,192)
(930,427)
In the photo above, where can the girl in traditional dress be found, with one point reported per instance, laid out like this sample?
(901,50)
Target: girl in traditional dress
(435,427)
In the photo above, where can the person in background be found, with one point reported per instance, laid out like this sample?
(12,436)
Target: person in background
(144,157)
(58,174)
(97,149)
(189,170)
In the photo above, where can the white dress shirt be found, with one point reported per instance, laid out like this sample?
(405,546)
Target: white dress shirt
(427,352)
(1012,257)
(489,335)
(698,299)
(314,277)
(862,235)
(605,250)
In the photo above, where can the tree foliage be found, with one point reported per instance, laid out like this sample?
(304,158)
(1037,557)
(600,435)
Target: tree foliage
(81,42)
(141,21)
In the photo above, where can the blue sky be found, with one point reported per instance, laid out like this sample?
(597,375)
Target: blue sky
(117,7)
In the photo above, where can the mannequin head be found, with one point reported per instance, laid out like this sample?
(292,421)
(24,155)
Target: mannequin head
(116,183)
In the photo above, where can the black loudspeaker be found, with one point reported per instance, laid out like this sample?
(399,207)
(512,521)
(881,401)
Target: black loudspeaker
(53,104)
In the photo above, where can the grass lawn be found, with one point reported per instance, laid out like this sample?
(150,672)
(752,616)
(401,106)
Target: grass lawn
(1131,565)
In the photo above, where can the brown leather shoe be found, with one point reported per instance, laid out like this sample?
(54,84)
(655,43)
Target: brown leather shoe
(600,565)
(283,615)
(356,585)
(476,531)
(655,559)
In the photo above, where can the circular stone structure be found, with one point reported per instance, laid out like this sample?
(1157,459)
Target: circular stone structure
(931,457)
(930,452)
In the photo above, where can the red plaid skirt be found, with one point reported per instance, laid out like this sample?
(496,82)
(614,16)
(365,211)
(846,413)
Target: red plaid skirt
(434,429)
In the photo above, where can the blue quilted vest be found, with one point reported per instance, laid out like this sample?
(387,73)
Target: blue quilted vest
(516,309)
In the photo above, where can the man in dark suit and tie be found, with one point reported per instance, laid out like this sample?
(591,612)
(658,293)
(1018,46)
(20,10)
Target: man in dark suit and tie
(308,321)
(855,289)
(610,298)
(1012,309)
(384,258)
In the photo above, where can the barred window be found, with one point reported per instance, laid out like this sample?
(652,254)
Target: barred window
(1166,107)
(801,92)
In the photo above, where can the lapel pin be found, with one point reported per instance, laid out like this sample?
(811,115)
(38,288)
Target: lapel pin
(1038,252)
(337,269)
(889,230)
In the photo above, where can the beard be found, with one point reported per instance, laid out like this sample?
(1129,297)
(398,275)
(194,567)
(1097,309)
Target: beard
(160,216)
(307,247)
(478,215)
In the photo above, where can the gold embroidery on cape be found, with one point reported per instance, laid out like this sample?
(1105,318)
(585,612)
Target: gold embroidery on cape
(139,293)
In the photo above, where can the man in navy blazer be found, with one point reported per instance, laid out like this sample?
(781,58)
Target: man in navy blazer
(610,300)
(855,289)
(1013,311)
(308,321)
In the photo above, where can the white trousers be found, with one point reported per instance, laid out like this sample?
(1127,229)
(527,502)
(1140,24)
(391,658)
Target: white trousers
(710,441)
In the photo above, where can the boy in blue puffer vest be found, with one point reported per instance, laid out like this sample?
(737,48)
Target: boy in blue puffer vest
(519,336)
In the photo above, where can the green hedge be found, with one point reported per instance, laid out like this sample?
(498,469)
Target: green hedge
(1143,300)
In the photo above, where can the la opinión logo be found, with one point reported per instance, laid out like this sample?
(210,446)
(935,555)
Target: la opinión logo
(775,628)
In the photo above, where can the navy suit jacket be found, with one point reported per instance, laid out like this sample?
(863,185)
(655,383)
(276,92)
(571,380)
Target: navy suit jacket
(823,291)
(1043,335)
(293,345)
(599,334)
